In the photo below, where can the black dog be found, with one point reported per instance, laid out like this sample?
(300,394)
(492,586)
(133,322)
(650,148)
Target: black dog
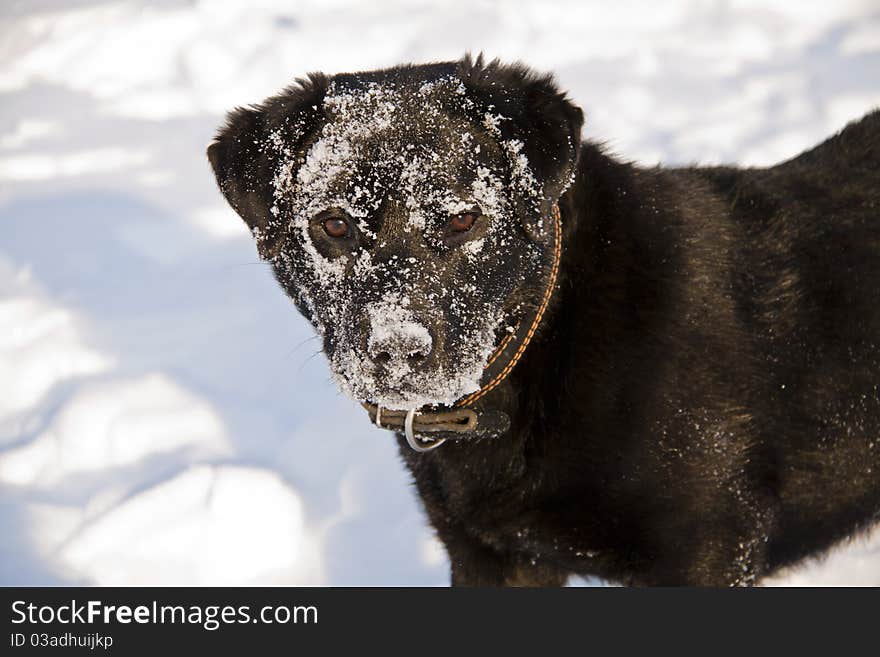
(656,376)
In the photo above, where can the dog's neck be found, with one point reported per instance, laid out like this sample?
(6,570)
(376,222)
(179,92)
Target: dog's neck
(592,221)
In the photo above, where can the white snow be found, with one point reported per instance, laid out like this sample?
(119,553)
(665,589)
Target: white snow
(52,166)
(158,421)
(107,425)
(227,525)
(41,345)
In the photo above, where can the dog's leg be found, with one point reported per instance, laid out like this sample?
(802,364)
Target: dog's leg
(528,573)
(474,565)
(473,562)
(725,547)
(478,565)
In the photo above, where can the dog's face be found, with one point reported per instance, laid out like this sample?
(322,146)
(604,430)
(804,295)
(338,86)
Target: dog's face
(404,211)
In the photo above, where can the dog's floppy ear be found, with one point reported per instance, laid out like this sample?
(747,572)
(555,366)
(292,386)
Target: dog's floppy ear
(536,114)
(249,149)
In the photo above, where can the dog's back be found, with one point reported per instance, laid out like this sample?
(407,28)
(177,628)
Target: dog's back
(808,285)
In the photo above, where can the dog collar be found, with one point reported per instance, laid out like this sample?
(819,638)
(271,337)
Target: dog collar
(462,419)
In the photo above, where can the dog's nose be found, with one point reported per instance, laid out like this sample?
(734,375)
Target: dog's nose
(397,342)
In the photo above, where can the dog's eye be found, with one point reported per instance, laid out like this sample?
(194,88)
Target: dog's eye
(336,227)
(463,221)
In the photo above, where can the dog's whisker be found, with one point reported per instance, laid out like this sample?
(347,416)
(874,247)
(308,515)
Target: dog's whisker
(306,361)
(300,344)
(234,265)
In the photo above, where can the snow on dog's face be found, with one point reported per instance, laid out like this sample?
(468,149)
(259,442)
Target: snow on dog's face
(404,211)
(399,213)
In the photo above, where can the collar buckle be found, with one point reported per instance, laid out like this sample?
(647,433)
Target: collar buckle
(416,443)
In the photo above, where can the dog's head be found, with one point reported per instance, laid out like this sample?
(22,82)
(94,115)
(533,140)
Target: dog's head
(405,211)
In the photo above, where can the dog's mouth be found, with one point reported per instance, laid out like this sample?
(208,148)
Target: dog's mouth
(442,387)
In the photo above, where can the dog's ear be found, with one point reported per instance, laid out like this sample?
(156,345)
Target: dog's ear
(526,108)
(253,144)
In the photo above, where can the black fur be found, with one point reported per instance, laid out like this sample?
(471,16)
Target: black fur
(701,403)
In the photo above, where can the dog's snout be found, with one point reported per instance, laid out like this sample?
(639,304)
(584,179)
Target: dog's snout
(395,342)
(390,354)
(411,343)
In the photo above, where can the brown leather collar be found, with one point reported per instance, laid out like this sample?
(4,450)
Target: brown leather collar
(455,420)
(461,419)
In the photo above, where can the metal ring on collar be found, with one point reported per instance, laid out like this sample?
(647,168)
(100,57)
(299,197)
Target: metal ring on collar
(414,442)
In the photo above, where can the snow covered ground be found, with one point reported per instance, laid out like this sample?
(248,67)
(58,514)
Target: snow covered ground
(162,417)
